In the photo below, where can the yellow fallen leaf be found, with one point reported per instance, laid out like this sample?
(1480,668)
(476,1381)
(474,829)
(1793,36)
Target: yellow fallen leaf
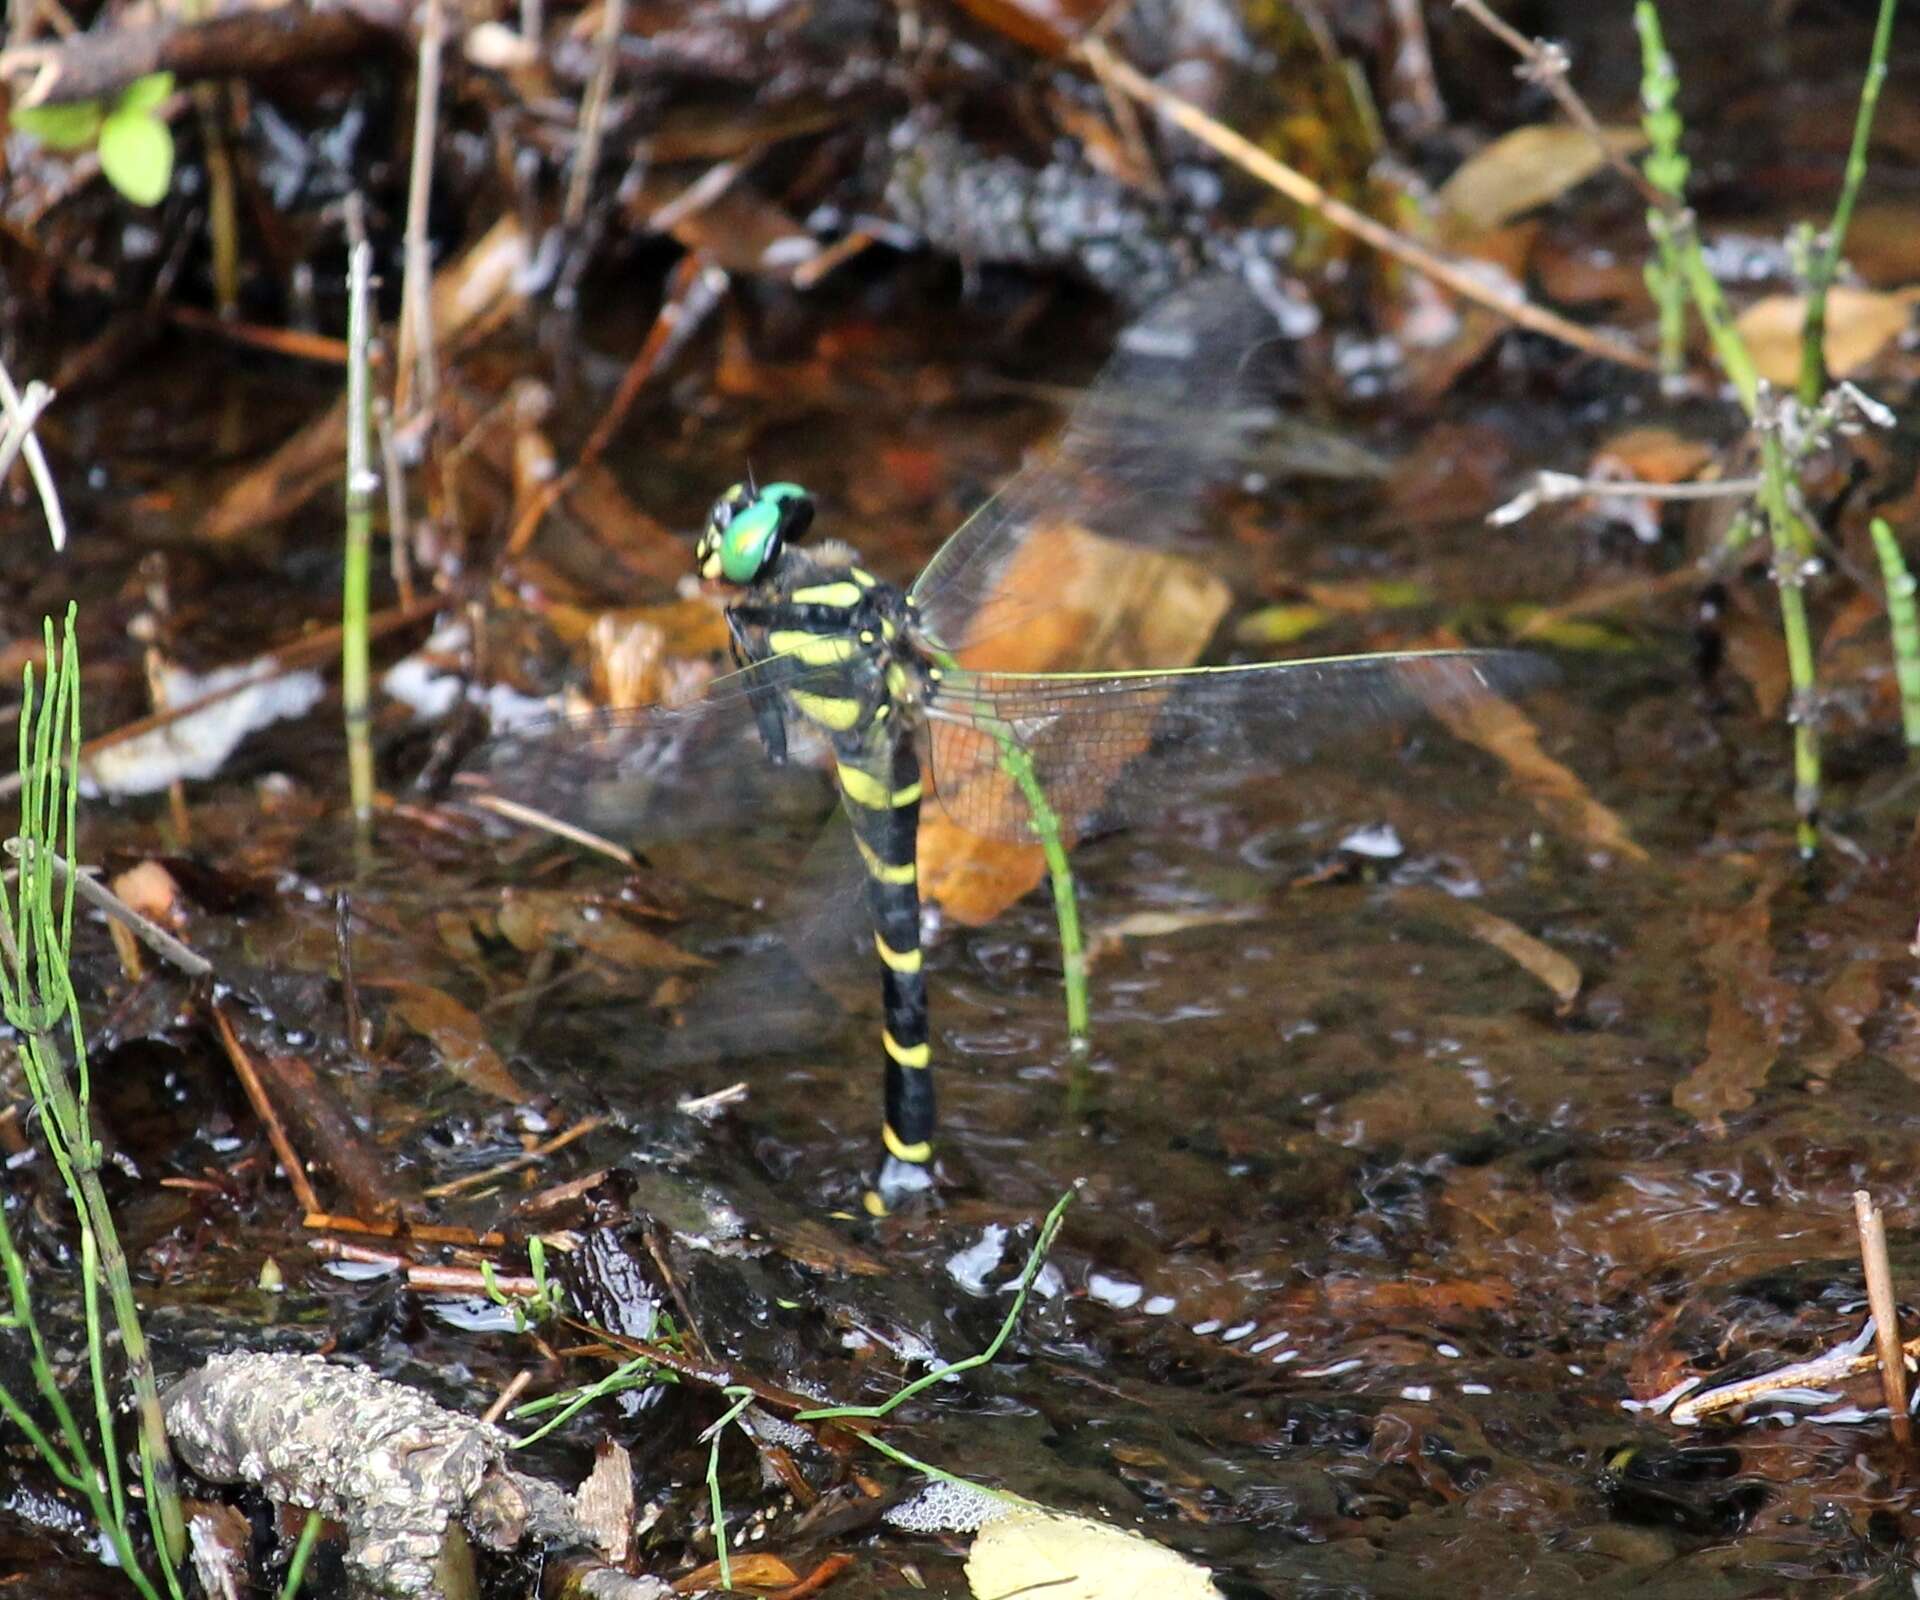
(1527,168)
(1272,625)
(1034,1553)
(1860,324)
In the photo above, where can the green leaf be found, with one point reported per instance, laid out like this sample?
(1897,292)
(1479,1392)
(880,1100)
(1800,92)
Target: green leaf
(71,126)
(136,154)
(144,94)
(1279,624)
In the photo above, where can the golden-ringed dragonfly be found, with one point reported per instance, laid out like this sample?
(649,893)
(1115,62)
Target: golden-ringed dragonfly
(865,675)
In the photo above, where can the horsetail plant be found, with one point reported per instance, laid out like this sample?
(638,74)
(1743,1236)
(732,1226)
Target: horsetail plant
(1906,626)
(1781,425)
(39,1003)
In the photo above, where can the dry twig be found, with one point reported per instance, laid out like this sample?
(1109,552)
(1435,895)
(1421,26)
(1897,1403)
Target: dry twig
(1461,278)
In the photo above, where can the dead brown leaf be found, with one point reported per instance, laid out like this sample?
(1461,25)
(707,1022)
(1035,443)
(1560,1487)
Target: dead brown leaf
(1860,324)
(1560,975)
(456,1033)
(1527,168)
(535,919)
(751,1570)
(1747,1011)
(470,295)
(1502,730)
(1109,607)
(1846,1003)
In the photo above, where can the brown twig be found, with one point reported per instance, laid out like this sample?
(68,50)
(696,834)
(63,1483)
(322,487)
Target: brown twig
(243,1069)
(244,41)
(393,478)
(294,342)
(1545,63)
(517,1386)
(1412,67)
(593,112)
(150,933)
(349,988)
(416,383)
(526,1158)
(1462,279)
(692,293)
(1872,1225)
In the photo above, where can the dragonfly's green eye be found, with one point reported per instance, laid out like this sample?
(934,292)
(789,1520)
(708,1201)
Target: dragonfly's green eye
(747,529)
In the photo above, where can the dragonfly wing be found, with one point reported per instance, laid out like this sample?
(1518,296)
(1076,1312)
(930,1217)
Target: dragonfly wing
(1177,405)
(1106,748)
(659,772)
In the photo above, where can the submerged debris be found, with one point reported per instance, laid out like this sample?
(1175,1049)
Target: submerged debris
(391,1465)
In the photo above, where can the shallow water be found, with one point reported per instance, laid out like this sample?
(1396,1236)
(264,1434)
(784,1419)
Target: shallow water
(1374,1237)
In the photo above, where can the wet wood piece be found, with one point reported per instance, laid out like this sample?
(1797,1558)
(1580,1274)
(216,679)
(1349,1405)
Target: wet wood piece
(272,1082)
(242,41)
(1886,1313)
(395,1469)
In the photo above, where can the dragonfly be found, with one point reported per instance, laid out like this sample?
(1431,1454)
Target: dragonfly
(837,667)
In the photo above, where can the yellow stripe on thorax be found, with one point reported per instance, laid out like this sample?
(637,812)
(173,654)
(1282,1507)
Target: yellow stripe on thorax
(843,595)
(830,711)
(869,793)
(918,1055)
(812,649)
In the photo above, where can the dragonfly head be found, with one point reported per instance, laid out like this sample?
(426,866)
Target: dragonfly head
(748,527)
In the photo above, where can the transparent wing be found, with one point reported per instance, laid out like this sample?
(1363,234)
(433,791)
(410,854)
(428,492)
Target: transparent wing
(1112,747)
(1177,405)
(661,772)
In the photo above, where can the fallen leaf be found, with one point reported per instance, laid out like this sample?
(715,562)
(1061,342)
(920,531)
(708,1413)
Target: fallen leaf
(1047,1553)
(750,1571)
(1860,324)
(150,890)
(1560,975)
(533,919)
(1499,728)
(1747,1010)
(1527,168)
(1109,607)
(1846,1003)
(1277,625)
(456,1033)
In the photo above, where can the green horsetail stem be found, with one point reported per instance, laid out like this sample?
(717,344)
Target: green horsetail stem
(1018,765)
(1906,626)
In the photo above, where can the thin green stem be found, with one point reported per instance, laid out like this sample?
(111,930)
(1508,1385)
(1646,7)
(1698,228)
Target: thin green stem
(1043,1242)
(36,934)
(1905,620)
(1017,763)
(1825,266)
(1665,170)
(302,1553)
(742,1398)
